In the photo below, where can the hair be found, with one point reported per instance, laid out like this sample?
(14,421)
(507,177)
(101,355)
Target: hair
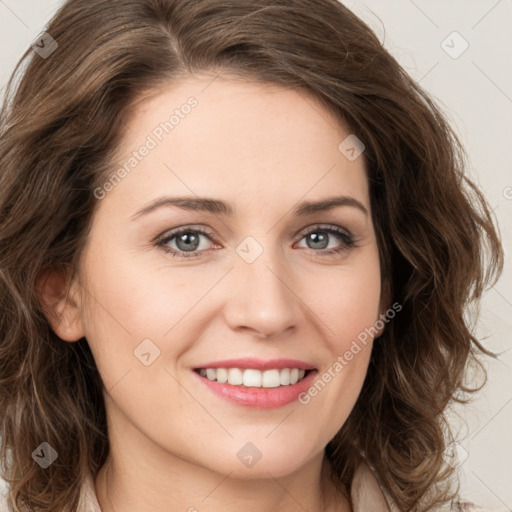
(60,125)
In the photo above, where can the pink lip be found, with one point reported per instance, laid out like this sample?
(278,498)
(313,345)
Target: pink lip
(261,398)
(259,364)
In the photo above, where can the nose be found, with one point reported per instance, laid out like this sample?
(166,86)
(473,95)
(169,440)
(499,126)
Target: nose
(262,300)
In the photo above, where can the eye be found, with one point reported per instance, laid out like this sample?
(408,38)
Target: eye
(187,241)
(318,239)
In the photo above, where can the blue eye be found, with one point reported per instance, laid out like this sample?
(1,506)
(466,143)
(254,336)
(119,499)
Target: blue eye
(319,236)
(188,240)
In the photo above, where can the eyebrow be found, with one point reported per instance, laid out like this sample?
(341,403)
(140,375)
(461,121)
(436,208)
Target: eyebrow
(219,207)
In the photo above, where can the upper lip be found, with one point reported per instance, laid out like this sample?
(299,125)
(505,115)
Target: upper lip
(258,364)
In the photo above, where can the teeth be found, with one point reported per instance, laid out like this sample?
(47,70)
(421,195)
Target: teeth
(254,378)
(235,376)
(284,377)
(222,375)
(271,379)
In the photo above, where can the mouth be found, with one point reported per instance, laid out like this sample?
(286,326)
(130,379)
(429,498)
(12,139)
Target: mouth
(254,378)
(256,383)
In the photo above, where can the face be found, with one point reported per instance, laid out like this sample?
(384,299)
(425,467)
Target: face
(261,282)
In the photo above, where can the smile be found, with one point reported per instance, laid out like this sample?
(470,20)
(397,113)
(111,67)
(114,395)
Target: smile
(251,377)
(263,384)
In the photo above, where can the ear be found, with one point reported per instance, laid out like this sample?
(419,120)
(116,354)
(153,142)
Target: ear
(61,304)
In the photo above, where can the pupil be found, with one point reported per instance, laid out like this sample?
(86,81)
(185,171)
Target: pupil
(189,246)
(318,239)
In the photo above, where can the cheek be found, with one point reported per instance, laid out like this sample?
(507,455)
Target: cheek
(127,305)
(127,315)
(349,303)
(349,309)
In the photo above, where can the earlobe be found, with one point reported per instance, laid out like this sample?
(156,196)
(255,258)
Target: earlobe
(61,304)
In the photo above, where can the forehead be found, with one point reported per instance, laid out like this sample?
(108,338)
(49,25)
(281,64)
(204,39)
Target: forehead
(231,138)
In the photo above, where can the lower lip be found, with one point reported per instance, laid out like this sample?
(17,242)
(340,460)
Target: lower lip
(261,398)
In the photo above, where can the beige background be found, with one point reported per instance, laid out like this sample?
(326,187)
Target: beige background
(475,91)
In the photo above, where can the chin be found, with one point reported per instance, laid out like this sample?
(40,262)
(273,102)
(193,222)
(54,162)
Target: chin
(250,461)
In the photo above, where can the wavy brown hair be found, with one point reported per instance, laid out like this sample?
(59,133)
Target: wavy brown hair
(61,123)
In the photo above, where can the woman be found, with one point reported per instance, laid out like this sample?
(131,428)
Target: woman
(237,244)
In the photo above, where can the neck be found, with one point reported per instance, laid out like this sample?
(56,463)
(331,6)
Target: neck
(126,483)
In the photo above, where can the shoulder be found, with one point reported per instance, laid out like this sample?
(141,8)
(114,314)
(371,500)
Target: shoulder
(3,495)
(88,501)
(466,506)
(463,506)
(367,495)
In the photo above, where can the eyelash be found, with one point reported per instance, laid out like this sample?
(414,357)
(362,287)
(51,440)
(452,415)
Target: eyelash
(347,238)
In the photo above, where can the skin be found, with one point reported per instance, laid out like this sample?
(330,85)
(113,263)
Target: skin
(174,444)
